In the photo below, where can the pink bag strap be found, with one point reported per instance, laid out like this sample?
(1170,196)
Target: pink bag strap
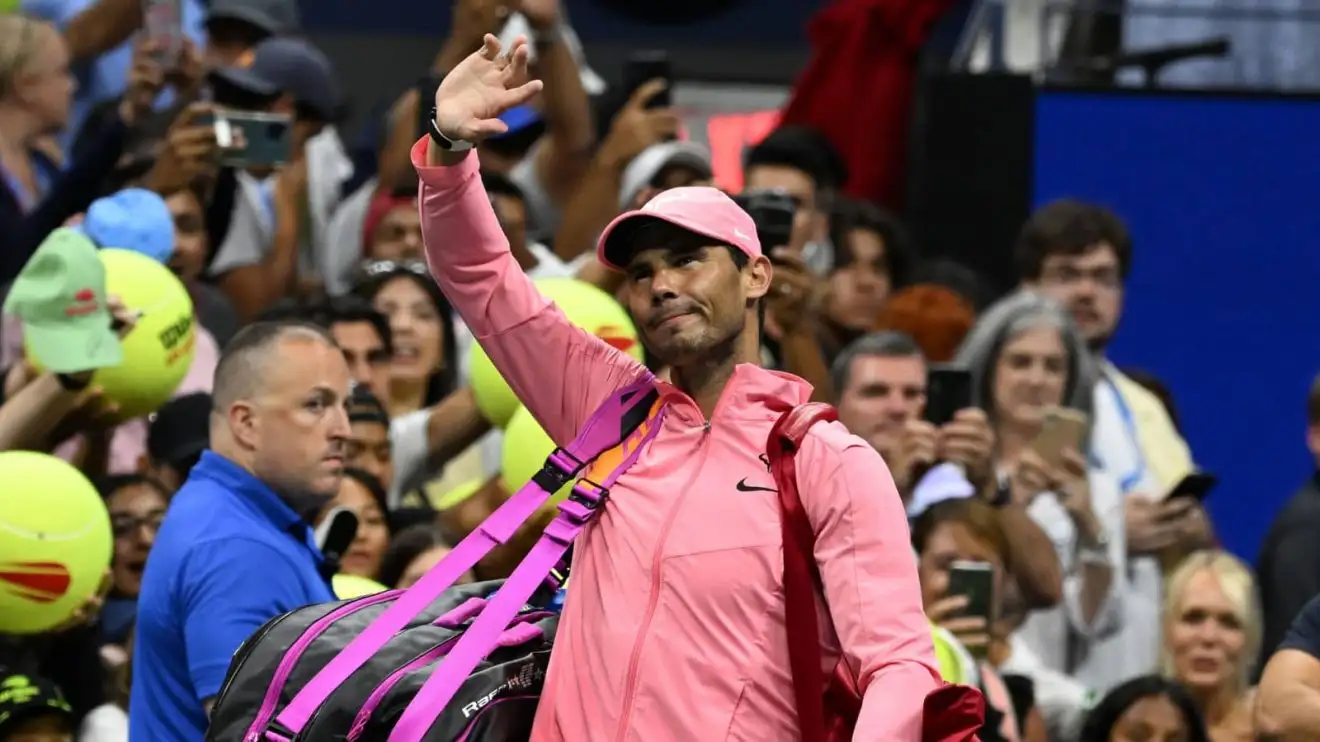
(479,639)
(617,425)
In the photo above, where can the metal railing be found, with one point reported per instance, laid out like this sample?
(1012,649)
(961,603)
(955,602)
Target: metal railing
(1220,45)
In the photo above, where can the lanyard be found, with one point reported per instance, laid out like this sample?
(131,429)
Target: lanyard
(1128,482)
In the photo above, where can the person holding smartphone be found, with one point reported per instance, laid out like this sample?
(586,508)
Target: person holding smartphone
(936,444)
(1030,370)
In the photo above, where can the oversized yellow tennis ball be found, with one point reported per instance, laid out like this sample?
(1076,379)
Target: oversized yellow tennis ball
(159,349)
(525,447)
(585,306)
(458,494)
(55,541)
(352,586)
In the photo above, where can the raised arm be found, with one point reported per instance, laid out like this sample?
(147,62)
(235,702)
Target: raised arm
(560,372)
(1288,699)
(870,580)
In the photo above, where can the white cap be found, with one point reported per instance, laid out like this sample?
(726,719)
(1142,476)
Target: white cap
(645,166)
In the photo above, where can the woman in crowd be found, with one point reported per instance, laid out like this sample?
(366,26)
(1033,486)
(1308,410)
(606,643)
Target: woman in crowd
(362,494)
(1148,708)
(1026,357)
(1211,639)
(38,191)
(412,553)
(424,367)
(136,504)
(968,529)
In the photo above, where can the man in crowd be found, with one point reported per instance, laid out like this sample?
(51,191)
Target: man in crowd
(1288,698)
(802,164)
(880,380)
(1288,570)
(881,383)
(278,433)
(364,335)
(278,218)
(1080,254)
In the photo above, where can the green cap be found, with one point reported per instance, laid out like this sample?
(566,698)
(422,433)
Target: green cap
(60,298)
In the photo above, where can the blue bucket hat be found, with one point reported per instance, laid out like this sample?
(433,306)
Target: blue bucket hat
(132,219)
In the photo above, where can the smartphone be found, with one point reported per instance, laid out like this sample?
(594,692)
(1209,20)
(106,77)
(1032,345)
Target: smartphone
(644,66)
(1062,428)
(975,581)
(1195,485)
(773,212)
(161,22)
(267,138)
(948,389)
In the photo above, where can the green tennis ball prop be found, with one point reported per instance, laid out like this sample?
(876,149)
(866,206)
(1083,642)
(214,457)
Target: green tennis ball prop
(159,349)
(348,587)
(525,447)
(585,306)
(55,542)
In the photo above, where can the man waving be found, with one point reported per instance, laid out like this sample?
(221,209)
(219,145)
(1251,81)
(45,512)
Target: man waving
(674,628)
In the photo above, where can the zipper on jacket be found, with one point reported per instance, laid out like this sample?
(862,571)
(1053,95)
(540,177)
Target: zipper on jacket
(657,560)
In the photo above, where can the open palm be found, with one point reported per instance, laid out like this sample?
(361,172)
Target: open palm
(480,88)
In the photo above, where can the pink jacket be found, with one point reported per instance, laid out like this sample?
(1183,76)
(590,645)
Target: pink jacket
(674,627)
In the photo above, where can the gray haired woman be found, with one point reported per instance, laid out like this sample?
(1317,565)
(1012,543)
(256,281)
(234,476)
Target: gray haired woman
(1027,360)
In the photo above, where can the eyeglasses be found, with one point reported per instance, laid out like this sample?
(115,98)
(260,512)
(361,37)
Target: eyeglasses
(125,524)
(372,269)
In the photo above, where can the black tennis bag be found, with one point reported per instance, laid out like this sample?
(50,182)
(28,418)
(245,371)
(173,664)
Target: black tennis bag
(496,702)
(436,662)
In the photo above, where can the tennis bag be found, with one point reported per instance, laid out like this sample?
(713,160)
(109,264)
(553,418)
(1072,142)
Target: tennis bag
(436,662)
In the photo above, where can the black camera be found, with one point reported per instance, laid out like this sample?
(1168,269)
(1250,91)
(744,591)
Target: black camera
(772,211)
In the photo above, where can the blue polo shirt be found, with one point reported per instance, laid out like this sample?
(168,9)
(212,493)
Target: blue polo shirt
(229,556)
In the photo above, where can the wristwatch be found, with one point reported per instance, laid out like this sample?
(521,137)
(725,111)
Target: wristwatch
(1096,552)
(442,141)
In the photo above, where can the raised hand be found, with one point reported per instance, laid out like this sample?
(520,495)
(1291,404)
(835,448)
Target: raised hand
(480,88)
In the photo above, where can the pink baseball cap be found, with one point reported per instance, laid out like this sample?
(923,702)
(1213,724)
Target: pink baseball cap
(701,209)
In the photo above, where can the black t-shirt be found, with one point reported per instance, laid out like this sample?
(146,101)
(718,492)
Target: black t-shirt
(1304,634)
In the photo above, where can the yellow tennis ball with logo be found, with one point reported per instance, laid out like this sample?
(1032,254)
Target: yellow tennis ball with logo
(526,446)
(159,350)
(347,587)
(585,306)
(55,542)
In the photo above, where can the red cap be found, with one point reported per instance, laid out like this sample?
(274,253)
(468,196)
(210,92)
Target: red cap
(701,209)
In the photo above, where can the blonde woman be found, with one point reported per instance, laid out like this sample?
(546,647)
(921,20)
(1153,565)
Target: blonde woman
(36,90)
(1212,627)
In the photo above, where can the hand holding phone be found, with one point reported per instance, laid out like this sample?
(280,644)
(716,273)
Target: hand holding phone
(162,25)
(1196,485)
(645,66)
(252,139)
(1061,429)
(948,389)
(973,582)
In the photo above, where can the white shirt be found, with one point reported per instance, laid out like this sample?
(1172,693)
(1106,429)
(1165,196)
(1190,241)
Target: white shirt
(1134,648)
(1060,637)
(105,723)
